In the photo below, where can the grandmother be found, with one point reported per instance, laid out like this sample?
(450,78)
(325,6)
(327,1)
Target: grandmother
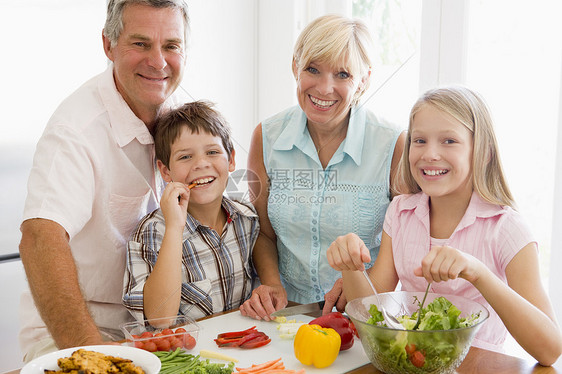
(322,169)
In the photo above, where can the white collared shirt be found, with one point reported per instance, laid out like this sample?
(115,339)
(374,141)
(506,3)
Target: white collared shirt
(94,174)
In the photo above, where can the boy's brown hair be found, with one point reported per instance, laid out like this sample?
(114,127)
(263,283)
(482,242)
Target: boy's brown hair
(196,116)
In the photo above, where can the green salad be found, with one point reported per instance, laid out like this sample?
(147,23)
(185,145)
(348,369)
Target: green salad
(429,348)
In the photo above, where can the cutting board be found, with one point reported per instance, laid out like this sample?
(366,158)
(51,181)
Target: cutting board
(210,328)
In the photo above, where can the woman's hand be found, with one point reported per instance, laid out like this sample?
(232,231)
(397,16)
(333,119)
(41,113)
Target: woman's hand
(264,301)
(174,202)
(335,297)
(348,252)
(444,263)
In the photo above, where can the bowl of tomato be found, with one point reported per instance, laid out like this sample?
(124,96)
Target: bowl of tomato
(162,334)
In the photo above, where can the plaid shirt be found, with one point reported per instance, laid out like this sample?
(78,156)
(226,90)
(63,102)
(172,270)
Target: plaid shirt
(216,272)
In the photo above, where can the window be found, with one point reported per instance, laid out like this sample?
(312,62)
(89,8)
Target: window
(396,28)
(515,63)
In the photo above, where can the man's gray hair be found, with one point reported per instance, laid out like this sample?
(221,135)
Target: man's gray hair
(114,21)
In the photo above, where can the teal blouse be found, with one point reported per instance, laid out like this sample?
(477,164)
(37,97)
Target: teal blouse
(309,206)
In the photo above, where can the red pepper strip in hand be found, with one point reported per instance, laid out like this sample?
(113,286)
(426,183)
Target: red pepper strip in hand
(237,334)
(341,324)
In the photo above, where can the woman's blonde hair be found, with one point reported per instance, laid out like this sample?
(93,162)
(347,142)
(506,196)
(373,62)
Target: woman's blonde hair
(340,42)
(470,109)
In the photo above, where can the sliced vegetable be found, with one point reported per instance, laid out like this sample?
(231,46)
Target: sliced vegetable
(288,330)
(341,324)
(216,355)
(318,346)
(247,339)
(269,367)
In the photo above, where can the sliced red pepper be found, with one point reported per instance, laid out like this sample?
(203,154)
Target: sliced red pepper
(250,338)
(341,324)
(237,334)
(255,343)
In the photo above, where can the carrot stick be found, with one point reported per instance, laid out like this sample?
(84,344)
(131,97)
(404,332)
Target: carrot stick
(275,366)
(254,368)
(192,185)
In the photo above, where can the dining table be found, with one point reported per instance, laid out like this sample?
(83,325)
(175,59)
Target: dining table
(477,361)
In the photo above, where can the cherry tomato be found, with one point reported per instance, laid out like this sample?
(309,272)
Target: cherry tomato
(180,330)
(189,341)
(146,334)
(418,359)
(139,345)
(167,332)
(150,346)
(410,348)
(175,343)
(163,344)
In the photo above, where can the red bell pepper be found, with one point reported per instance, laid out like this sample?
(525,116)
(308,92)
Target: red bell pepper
(341,324)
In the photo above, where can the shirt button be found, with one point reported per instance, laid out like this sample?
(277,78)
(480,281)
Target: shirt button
(314,222)
(314,229)
(315,237)
(315,214)
(313,279)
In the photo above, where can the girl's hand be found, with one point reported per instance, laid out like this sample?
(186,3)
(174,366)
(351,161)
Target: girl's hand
(444,263)
(348,252)
(174,202)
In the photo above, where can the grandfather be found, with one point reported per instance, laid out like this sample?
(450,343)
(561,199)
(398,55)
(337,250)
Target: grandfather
(93,178)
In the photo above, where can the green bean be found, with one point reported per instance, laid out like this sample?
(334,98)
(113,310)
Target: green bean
(170,356)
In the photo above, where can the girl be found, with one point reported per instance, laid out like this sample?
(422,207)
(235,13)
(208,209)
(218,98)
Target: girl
(455,225)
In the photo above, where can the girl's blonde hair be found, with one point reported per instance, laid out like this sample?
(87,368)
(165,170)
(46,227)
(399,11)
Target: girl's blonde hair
(340,42)
(470,109)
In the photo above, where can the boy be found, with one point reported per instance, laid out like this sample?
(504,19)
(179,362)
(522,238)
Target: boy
(192,255)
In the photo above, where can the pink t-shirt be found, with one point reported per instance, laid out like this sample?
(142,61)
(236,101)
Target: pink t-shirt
(492,233)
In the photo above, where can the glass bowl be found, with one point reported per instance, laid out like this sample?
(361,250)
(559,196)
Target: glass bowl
(162,334)
(394,351)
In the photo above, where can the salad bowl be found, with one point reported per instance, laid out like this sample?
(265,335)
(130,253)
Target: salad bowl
(426,350)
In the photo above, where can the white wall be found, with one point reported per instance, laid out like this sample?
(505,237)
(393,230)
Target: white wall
(222,63)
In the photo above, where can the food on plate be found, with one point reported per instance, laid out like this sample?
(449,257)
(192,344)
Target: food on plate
(181,362)
(273,366)
(423,350)
(341,324)
(84,361)
(316,345)
(246,339)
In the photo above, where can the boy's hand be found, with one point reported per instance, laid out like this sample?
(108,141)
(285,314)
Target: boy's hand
(348,252)
(444,263)
(174,202)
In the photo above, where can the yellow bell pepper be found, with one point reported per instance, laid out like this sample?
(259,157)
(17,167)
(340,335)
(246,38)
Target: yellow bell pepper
(318,346)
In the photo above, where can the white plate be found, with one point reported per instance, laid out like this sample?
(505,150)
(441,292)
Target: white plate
(148,361)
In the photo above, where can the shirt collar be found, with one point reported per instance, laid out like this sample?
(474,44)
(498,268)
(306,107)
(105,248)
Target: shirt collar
(296,134)
(233,213)
(477,208)
(125,124)
(355,137)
